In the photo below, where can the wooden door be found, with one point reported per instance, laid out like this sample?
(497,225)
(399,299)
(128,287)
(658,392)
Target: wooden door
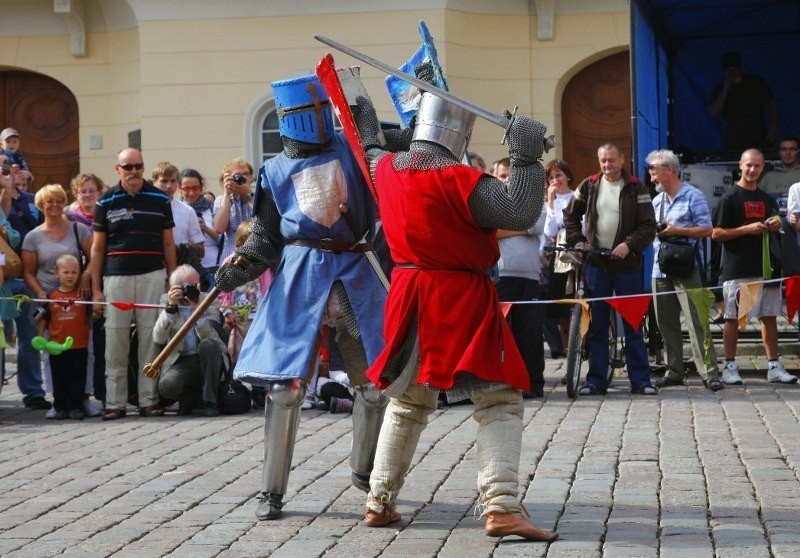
(45,113)
(596,109)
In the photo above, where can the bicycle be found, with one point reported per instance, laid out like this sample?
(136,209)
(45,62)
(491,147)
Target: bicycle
(578,346)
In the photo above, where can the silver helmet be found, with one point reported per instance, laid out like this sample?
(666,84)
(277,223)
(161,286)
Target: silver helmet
(444,123)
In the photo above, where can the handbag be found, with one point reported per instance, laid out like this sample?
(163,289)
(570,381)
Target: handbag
(676,256)
(82,259)
(233,397)
(12,269)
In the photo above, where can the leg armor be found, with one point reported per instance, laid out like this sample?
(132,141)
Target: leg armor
(281,419)
(368,411)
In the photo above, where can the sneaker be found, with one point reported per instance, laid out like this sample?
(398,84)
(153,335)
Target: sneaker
(778,374)
(321,405)
(341,405)
(38,403)
(91,409)
(210,410)
(308,403)
(714,384)
(76,414)
(51,413)
(61,415)
(730,374)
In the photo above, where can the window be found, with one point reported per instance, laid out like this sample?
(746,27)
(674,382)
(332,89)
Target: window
(271,143)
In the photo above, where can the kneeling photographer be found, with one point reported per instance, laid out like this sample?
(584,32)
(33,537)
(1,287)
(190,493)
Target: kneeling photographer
(200,359)
(683,221)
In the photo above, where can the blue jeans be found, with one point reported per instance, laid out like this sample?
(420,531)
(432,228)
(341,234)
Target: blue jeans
(29,364)
(602,283)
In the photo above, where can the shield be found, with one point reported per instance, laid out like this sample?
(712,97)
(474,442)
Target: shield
(343,86)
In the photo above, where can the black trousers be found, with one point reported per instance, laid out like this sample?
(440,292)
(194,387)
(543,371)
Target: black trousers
(69,379)
(526,325)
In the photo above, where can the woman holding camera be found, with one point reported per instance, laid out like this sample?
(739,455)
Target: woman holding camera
(235,205)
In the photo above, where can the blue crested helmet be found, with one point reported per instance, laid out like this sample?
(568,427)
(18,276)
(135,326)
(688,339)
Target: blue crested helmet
(304,111)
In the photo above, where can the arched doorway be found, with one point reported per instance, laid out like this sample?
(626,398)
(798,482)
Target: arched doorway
(596,109)
(45,113)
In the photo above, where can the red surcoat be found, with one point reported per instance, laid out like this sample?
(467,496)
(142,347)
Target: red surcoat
(429,228)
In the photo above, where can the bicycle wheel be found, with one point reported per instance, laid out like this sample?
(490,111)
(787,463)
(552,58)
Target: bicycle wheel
(574,353)
(616,346)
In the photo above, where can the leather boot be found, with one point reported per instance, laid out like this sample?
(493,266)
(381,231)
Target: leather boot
(501,524)
(381,519)
(269,506)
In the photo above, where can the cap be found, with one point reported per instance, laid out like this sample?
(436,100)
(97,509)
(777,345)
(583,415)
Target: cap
(8,133)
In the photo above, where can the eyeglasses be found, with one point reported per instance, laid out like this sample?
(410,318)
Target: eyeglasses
(191,188)
(87,193)
(132,166)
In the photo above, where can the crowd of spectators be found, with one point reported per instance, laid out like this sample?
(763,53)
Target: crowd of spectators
(613,210)
(159,242)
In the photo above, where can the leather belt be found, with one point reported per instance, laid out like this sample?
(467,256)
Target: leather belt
(412,266)
(332,245)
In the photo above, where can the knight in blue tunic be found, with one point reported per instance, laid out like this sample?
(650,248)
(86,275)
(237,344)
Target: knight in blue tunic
(313,213)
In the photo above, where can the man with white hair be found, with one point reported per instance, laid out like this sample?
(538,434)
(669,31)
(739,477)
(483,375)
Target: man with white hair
(201,356)
(682,213)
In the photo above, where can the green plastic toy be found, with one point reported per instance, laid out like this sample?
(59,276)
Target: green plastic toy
(52,347)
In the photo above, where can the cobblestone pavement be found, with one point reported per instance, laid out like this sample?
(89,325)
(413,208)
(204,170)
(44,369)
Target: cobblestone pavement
(689,473)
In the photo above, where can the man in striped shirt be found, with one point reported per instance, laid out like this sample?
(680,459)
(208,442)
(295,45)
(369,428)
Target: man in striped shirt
(133,253)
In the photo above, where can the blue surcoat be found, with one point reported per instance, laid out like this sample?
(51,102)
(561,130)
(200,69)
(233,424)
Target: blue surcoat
(307,192)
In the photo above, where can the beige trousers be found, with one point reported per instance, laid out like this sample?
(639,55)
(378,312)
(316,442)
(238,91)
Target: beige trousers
(143,289)
(499,417)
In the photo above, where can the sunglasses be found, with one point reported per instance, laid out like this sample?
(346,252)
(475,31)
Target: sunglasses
(132,166)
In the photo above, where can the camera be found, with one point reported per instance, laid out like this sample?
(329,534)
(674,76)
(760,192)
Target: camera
(40,313)
(239,179)
(660,227)
(191,292)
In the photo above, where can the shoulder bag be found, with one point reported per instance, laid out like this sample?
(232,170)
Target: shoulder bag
(676,256)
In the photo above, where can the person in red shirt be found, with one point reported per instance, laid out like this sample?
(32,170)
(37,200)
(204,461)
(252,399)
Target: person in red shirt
(444,328)
(67,319)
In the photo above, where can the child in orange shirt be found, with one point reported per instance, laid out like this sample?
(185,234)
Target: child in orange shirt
(67,319)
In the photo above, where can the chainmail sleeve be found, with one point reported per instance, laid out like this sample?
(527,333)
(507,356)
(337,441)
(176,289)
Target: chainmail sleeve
(515,206)
(398,140)
(262,249)
(368,128)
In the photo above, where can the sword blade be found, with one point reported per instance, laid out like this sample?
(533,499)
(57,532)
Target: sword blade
(494,118)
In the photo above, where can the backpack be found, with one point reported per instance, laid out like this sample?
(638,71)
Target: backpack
(233,397)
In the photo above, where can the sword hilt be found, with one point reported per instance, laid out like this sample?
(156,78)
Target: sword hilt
(511,117)
(549,142)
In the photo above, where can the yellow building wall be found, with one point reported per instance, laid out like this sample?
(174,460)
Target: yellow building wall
(189,83)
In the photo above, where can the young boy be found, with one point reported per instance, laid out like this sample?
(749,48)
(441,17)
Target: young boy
(9,141)
(68,319)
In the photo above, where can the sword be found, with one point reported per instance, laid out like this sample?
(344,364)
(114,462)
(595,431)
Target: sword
(503,120)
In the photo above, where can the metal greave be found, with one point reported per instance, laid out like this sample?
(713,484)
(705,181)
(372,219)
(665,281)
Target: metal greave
(281,419)
(368,411)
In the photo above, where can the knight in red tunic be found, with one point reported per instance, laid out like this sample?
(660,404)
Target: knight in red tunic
(443,324)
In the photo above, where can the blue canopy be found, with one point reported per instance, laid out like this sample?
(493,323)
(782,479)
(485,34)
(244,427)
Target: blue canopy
(676,46)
